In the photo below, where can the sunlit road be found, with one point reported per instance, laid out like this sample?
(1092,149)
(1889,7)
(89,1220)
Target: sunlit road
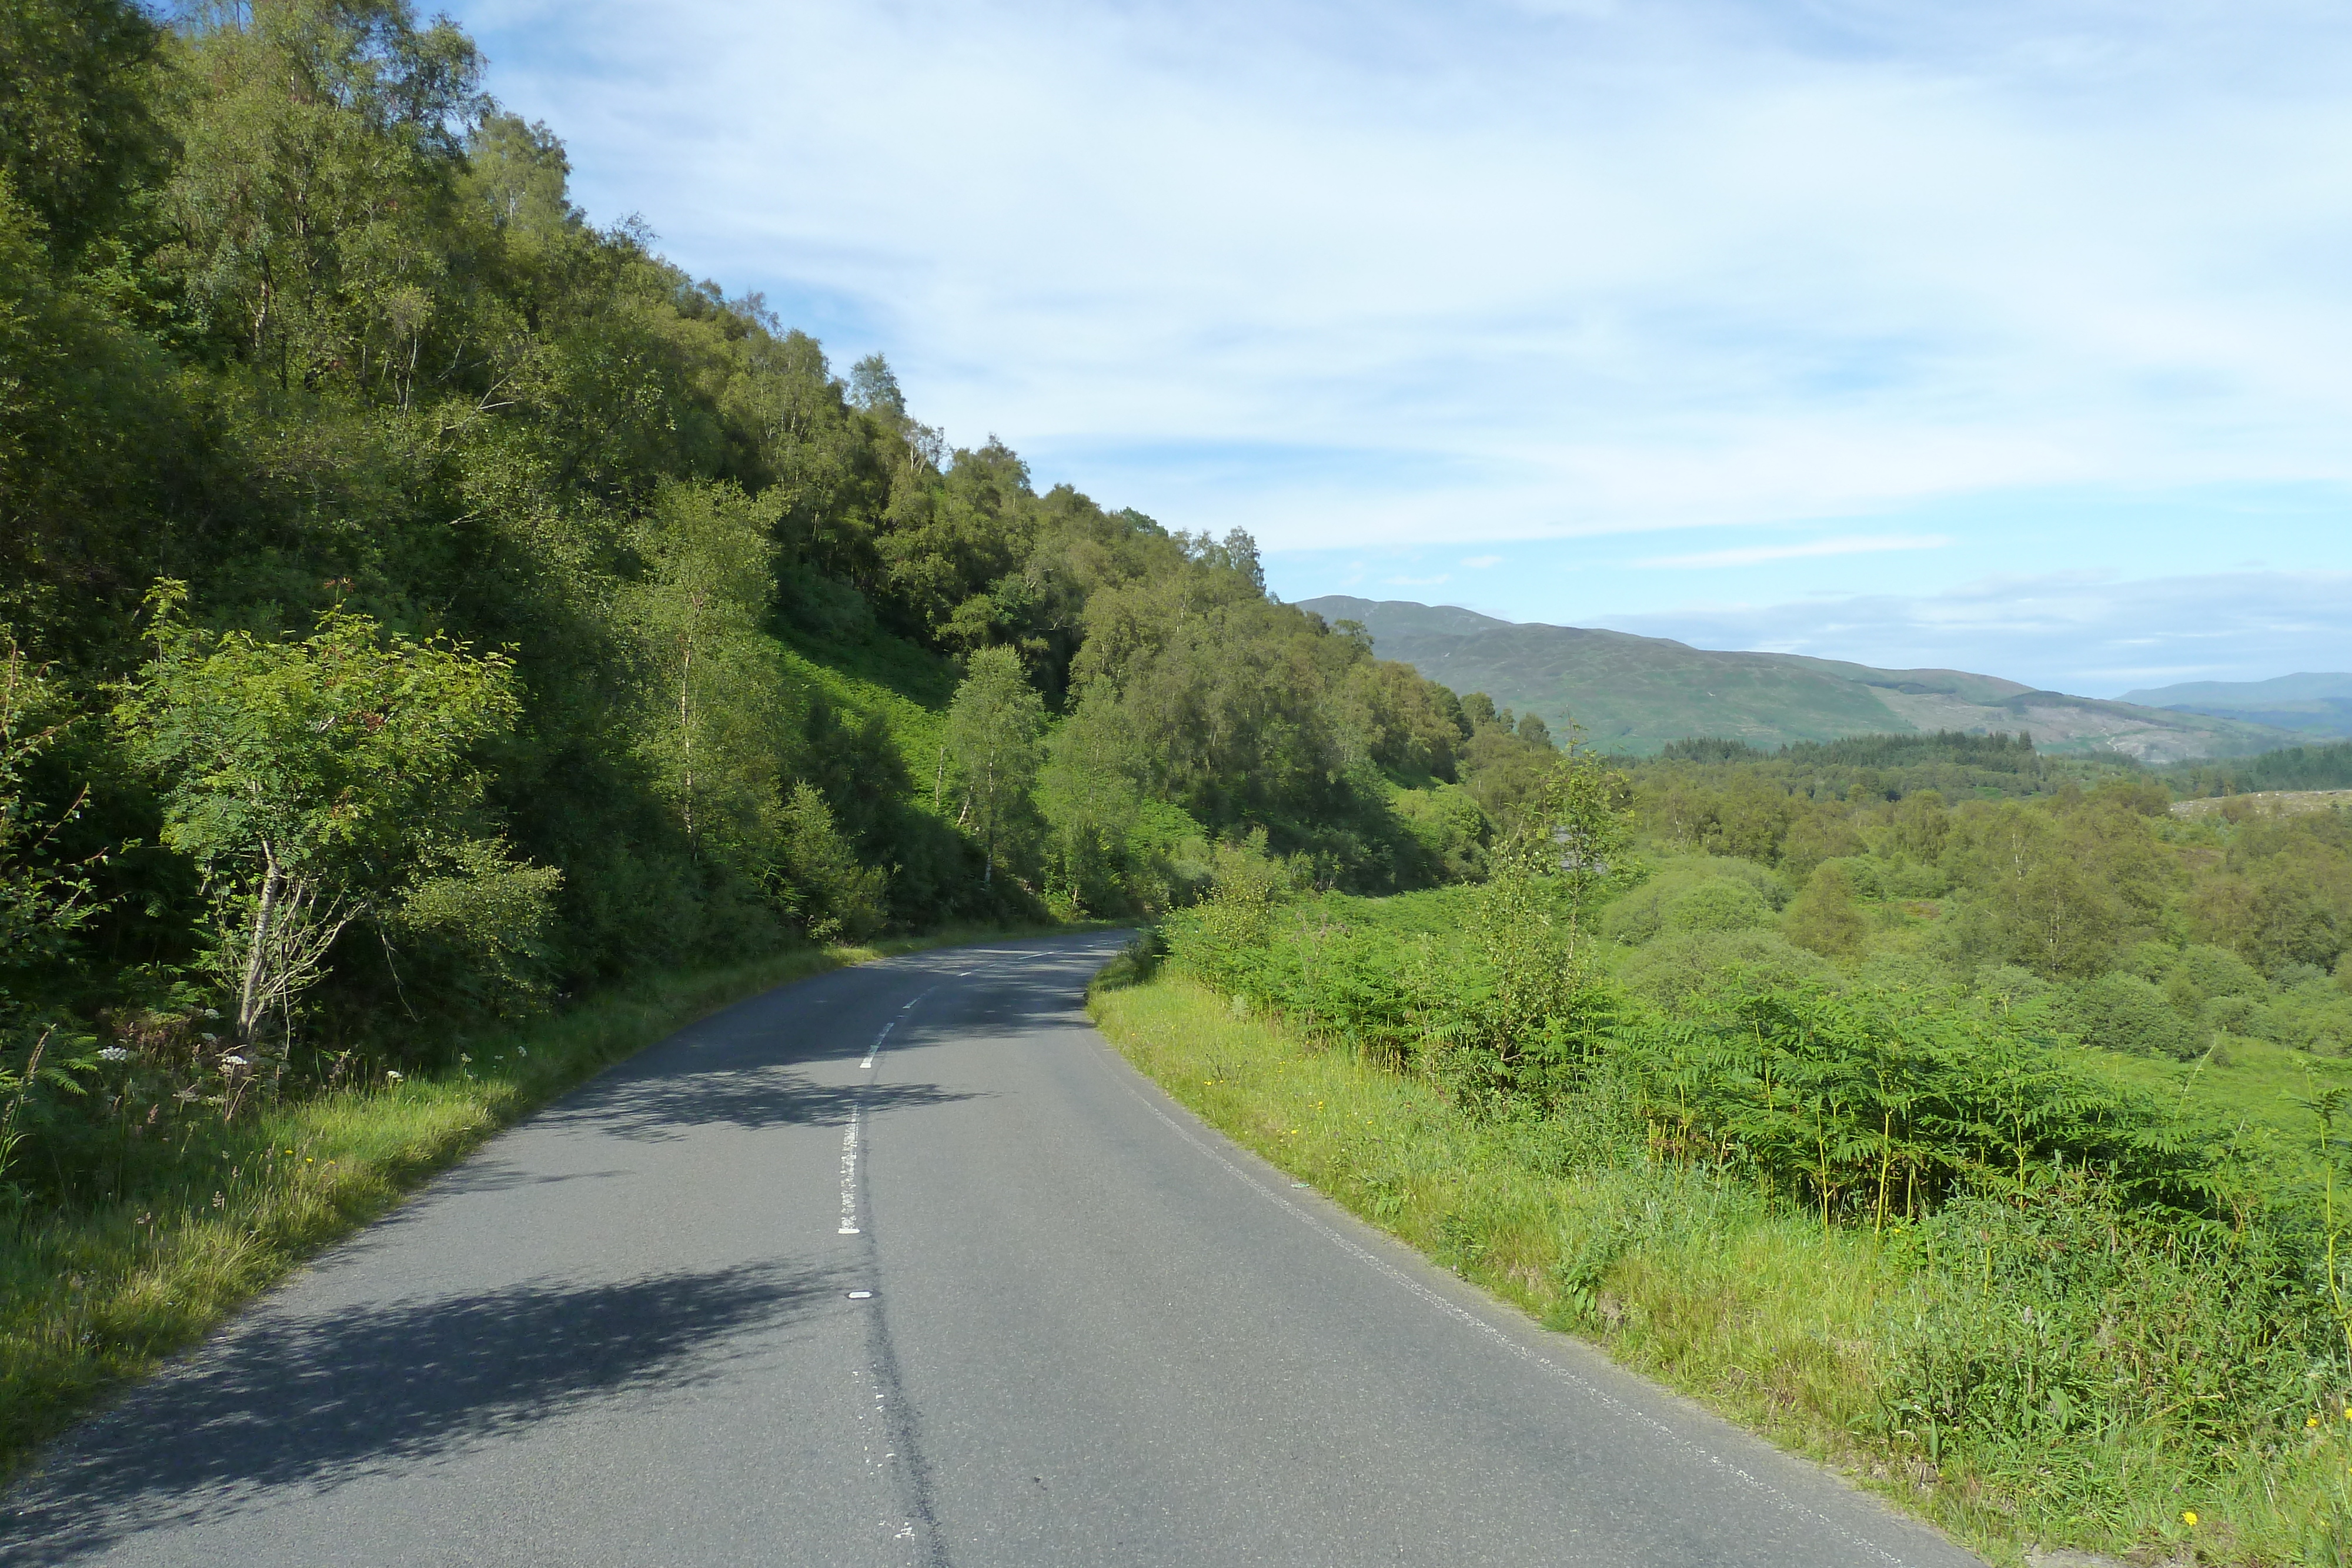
(903,1265)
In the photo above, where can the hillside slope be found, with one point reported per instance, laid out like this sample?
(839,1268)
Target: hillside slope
(2311,702)
(1635,693)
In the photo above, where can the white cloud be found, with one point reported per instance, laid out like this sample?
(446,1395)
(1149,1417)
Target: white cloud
(1752,555)
(1393,273)
(1482,562)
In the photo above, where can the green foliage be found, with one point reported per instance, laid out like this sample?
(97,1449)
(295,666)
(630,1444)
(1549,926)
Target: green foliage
(317,168)
(1110,848)
(79,130)
(711,731)
(1825,917)
(994,730)
(1719,903)
(2123,1012)
(1642,913)
(833,897)
(2064,1343)
(1448,826)
(44,899)
(314,782)
(480,920)
(1995,753)
(1681,968)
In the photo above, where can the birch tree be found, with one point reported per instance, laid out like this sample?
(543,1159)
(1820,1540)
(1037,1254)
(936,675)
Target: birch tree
(993,730)
(716,696)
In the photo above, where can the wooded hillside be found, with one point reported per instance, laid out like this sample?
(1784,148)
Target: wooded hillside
(418,603)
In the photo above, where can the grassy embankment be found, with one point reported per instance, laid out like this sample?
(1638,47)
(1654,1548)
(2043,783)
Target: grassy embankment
(93,1297)
(1777,1322)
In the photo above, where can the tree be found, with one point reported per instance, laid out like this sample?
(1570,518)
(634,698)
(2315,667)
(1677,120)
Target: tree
(874,389)
(316,782)
(1090,799)
(712,728)
(312,200)
(832,895)
(1578,829)
(994,728)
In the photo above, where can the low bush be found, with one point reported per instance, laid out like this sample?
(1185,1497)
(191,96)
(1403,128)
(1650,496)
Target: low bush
(2123,1012)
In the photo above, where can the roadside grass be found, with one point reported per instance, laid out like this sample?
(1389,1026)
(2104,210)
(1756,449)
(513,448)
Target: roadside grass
(1788,1328)
(91,1297)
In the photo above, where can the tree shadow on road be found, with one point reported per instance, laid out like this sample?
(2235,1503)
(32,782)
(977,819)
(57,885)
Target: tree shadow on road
(310,1403)
(674,1104)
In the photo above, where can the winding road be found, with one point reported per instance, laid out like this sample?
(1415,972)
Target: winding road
(903,1265)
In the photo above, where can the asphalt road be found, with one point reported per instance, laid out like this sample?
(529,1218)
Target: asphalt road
(903,1265)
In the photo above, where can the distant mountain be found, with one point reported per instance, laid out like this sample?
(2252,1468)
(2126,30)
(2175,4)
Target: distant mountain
(1635,693)
(2311,703)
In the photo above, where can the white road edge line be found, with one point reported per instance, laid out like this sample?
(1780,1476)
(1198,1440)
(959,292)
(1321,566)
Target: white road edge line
(1461,1313)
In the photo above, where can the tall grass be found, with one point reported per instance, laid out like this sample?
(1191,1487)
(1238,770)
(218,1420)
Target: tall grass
(2029,1366)
(204,1212)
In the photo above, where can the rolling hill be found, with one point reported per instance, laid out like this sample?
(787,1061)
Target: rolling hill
(1635,693)
(2310,703)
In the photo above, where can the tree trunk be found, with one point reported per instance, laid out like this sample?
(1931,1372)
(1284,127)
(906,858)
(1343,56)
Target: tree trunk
(249,1005)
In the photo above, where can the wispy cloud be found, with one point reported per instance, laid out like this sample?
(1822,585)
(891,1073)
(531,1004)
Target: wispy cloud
(1394,281)
(1750,555)
(1590,268)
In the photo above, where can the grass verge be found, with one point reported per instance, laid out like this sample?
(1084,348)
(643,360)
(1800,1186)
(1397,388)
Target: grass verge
(1771,1320)
(91,1297)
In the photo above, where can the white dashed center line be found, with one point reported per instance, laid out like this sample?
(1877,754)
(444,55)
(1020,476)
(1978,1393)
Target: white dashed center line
(849,1172)
(849,1226)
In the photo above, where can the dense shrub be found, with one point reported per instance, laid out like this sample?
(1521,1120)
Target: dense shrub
(1678,968)
(1718,904)
(1826,917)
(2126,1013)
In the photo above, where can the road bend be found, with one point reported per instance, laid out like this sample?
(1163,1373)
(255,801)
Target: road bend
(904,1266)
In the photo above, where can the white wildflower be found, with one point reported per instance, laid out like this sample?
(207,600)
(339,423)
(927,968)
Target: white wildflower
(235,1061)
(114,1053)
(393,1075)
(211,1012)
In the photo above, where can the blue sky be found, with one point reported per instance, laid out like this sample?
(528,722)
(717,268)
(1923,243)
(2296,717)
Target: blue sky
(2013,337)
